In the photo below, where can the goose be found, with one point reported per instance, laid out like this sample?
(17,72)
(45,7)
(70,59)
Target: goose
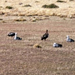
(17,38)
(57,45)
(45,36)
(11,34)
(69,39)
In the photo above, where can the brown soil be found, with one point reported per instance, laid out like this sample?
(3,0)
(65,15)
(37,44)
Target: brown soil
(18,57)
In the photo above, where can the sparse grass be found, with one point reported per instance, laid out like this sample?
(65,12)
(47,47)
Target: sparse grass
(9,7)
(50,6)
(27,5)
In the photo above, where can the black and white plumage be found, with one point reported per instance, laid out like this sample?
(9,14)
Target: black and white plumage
(57,45)
(16,37)
(69,39)
(45,36)
(11,34)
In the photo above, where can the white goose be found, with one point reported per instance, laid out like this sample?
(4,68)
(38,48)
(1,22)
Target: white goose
(17,38)
(57,45)
(69,39)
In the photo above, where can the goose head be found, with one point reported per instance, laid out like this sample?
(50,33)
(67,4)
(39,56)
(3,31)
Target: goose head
(54,43)
(16,33)
(67,36)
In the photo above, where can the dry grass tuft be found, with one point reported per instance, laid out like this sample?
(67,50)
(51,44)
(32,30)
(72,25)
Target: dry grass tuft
(37,46)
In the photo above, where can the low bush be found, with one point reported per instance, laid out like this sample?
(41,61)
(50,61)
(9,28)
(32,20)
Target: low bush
(18,20)
(50,6)
(9,7)
(27,5)
(61,1)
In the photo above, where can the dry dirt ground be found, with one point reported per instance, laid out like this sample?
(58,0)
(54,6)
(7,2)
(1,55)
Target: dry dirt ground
(18,57)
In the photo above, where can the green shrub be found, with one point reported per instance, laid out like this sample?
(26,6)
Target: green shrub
(27,5)
(60,1)
(50,6)
(9,7)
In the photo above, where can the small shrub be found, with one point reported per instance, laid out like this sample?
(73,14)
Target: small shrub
(60,1)
(50,6)
(5,1)
(1,19)
(27,5)
(36,1)
(19,20)
(9,7)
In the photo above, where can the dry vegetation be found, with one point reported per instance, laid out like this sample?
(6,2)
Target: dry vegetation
(20,58)
(35,7)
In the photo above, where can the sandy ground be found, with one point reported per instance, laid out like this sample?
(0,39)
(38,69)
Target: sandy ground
(18,57)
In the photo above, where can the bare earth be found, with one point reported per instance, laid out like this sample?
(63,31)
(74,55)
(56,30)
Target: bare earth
(20,58)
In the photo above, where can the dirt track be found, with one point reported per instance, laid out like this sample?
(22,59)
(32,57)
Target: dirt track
(20,58)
